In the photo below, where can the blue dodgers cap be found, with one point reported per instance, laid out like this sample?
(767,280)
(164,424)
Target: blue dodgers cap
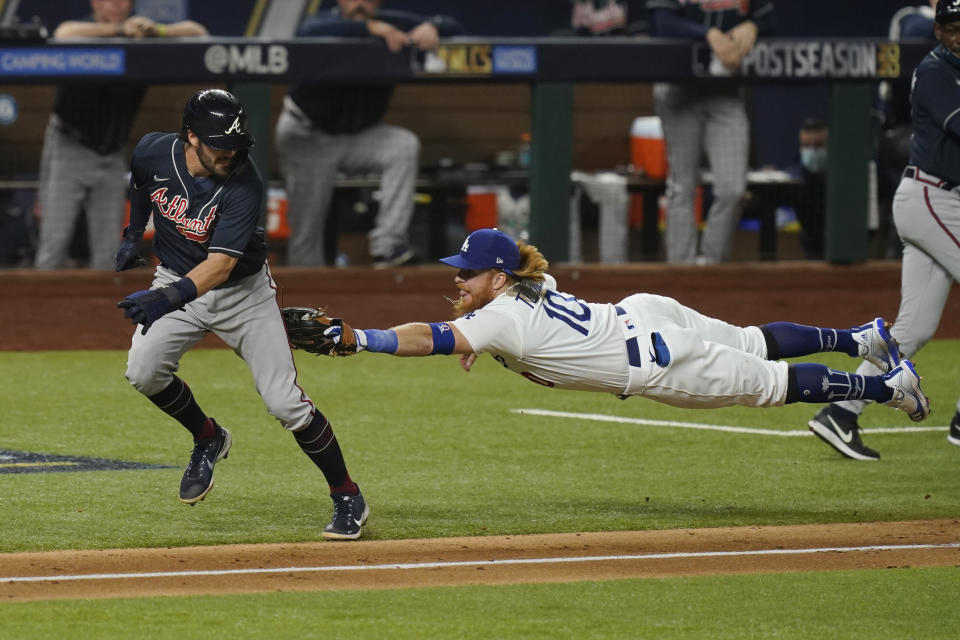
(486,249)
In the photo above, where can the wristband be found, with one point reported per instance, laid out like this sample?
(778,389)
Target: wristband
(160,30)
(180,292)
(443,339)
(380,340)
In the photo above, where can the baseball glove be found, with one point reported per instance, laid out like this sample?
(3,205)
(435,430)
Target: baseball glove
(314,331)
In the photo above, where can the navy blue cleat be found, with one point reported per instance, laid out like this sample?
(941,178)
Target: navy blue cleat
(350,513)
(197,478)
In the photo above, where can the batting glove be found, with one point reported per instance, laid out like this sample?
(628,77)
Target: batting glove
(147,306)
(127,256)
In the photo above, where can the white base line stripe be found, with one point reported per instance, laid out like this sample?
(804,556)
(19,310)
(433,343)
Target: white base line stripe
(474,563)
(600,417)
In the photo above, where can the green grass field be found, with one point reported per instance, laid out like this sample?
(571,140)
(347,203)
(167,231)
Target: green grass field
(439,452)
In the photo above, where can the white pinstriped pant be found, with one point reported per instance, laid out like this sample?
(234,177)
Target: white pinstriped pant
(309,160)
(698,119)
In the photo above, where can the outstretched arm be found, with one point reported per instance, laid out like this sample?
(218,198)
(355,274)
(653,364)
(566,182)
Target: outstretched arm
(312,330)
(417,339)
(412,339)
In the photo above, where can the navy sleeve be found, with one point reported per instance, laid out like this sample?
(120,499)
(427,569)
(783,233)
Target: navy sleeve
(327,24)
(939,93)
(669,19)
(667,23)
(139,176)
(447,26)
(239,212)
(762,14)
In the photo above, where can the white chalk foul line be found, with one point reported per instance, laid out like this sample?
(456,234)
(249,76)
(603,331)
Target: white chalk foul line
(601,417)
(472,563)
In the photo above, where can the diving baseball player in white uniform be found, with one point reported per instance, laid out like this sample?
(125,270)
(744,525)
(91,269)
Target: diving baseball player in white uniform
(926,210)
(644,345)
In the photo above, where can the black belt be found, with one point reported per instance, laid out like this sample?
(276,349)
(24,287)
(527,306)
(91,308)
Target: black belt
(932,180)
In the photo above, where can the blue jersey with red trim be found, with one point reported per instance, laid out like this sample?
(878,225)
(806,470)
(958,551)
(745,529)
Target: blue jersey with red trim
(194,217)
(935,112)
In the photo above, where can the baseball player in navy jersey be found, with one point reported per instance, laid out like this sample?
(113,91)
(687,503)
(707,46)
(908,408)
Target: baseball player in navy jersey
(926,210)
(645,345)
(706,118)
(205,195)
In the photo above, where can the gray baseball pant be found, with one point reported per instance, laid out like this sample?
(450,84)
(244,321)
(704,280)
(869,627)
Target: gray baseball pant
(695,120)
(928,221)
(74,177)
(309,160)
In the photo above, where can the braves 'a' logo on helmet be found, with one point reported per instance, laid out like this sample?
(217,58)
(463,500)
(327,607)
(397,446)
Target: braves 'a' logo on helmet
(234,128)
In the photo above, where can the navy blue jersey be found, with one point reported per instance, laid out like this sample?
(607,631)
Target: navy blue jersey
(706,14)
(98,116)
(934,109)
(196,216)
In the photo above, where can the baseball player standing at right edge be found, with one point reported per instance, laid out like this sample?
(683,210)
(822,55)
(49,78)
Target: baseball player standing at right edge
(926,211)
(205,195)
(698,118)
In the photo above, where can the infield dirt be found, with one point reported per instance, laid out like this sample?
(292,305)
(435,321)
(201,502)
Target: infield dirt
(400,564)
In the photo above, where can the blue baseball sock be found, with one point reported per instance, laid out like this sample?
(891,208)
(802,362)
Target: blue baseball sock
(789,340)
(818,383)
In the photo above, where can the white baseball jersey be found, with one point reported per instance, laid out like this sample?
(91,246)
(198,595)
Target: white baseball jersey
(560,341)
(644,345)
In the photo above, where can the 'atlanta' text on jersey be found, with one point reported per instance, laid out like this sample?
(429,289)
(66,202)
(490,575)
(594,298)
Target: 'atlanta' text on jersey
(193,229)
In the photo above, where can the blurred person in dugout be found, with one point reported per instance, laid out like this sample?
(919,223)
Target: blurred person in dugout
(324,129)
(707,118)
(914,22)
(84,158)
(811,202)
(604,18)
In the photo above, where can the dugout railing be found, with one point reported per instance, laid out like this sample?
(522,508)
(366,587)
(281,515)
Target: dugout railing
(550,66)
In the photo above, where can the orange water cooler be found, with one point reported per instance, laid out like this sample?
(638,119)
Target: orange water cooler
(648,154)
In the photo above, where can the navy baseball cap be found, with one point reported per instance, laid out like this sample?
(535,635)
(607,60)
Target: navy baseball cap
(486,249)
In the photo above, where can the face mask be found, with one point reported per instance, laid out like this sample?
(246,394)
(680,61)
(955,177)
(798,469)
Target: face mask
(813,159)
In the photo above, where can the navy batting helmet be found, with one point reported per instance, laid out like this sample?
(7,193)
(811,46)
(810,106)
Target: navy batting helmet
(947,11)
(218,119)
